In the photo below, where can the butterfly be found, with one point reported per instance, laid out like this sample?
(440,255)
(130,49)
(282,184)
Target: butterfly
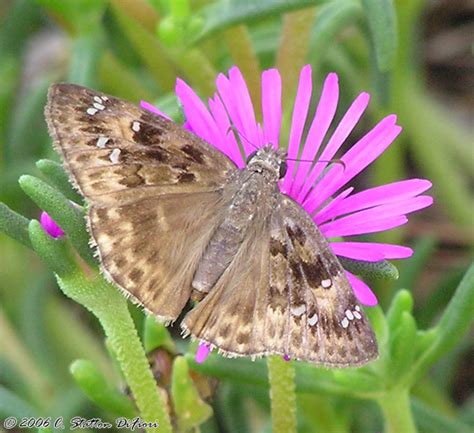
(174,220)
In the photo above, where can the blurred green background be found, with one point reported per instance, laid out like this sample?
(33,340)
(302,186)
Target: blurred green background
(413,56)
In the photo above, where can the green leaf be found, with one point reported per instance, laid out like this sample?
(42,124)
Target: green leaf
(27,133)
(78,15)
(54,252)
(382,270)
(402,302)
(433,421)
(14,225)
(156,335)
(96,387)
(190,409)
(55,173)
(331,18)
(149,49)
(221,15)
(358,382)
(402,349)
(13,405)
(66,214)
(383,31)
(454,323)
(87,50)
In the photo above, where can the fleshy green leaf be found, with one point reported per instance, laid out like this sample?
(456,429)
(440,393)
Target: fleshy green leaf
(190,409)
(87,49)
(402,349)
(54,252)
(402,302)
(331,18)
(96,387)
(55,173)
(432,421)
(383,31)
(67,215)
(221,15)
(382,270)
(454,323)
(156,335)
(14,225)
(13,405)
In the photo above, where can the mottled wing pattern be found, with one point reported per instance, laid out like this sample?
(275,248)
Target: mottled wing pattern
(154,191)
(285,293)
(308,289)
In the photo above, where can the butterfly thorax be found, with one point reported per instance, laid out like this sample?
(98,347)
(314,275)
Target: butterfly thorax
(253,191)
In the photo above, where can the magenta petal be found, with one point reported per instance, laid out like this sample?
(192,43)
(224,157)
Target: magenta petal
(50,226)
(298,120)
(229,144)
(325,112)
(345,127)
(271,106)
(236,98)
(363,153)
(338,228)
(389,193)
(152,109)
(384,212)
(362,291)
(370,251)
(334,203)
(202,352)
(197,115)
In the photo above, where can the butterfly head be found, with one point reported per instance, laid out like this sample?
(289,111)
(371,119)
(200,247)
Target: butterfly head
(268,160)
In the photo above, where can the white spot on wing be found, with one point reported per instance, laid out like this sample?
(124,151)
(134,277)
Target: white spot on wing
(357,315)
(357,308)
(97,99)
(349,315)
(298,311)
(91,111)
(114,156)
(345,322)
(98,106)
(102,141)
(326,283)
(313,319)
(136,126)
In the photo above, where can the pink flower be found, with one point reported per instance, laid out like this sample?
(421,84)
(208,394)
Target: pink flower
(202,352)
(50,226)
(319,188)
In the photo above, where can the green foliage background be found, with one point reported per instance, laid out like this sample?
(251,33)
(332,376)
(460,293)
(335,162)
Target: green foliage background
(54,358)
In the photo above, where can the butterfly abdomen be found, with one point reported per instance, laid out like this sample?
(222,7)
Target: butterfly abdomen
(250,197)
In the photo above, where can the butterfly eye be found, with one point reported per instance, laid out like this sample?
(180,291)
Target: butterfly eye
(283,169)
(249,158)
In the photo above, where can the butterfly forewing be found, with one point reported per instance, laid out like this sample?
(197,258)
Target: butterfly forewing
(153,190)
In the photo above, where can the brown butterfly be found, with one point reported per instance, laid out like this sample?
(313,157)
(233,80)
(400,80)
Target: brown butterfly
(174,219)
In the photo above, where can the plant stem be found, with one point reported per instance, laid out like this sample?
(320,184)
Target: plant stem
(110,307)
(281,375)
(395,405)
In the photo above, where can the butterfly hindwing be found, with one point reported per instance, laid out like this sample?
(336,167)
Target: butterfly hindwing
(271,299)
(153,191)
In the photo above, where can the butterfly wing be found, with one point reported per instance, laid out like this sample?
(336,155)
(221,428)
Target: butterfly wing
(285,293)
(154,191)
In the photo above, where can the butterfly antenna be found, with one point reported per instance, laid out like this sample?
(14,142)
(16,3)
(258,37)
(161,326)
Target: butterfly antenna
(236,131)
(329,161)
